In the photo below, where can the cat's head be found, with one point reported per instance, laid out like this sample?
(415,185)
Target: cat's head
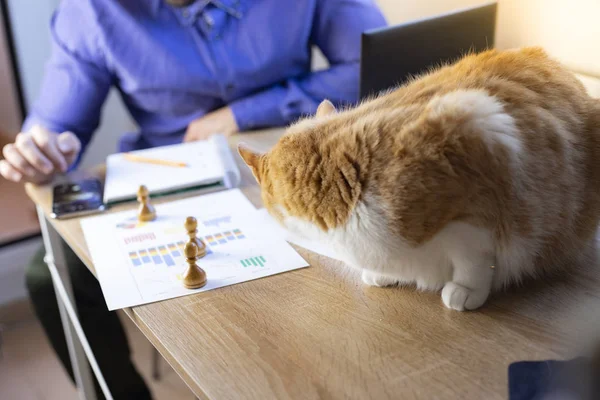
(300,177)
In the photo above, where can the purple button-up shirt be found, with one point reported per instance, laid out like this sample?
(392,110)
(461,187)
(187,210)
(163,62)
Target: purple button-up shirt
(173,65)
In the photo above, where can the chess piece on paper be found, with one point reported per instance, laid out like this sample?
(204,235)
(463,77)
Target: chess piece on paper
(146,211)
(194,277)
(191,225)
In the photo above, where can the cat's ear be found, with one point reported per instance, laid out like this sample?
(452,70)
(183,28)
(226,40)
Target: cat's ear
(252,159)
(325,108)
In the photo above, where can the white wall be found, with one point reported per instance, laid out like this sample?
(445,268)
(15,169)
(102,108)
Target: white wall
(569,30)
(399,11)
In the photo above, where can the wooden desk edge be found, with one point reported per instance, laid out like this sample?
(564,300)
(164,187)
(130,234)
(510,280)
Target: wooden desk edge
(158,345)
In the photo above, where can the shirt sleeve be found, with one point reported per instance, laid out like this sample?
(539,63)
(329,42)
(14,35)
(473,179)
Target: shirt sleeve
(76,79)
(337,32)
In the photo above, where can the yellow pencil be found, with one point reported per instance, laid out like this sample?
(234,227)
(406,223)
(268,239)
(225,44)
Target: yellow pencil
(135,158)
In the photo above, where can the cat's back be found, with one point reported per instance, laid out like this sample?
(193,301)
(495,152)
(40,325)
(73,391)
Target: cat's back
(514,129)
(523,77)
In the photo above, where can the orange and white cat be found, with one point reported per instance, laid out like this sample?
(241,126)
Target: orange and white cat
(491,162)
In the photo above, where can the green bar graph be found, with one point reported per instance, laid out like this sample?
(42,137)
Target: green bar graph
(255,261)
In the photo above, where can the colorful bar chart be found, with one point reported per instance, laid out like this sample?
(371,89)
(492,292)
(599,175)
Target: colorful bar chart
(159,255)
(166,256)
(223,237)
(258,261)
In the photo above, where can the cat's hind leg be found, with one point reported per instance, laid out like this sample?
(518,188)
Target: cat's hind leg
(376,279)
(472,256)
(470,286)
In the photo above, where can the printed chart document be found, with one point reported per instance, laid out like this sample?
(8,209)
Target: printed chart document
(143,262)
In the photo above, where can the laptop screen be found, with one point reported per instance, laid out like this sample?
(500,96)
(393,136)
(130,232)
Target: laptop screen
(390,56)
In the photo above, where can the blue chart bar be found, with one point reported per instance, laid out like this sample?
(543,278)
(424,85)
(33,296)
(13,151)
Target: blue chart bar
(229,235)
(169,260)
(133,256)
(165,255)
(155,257)
(145,257)
(173,250)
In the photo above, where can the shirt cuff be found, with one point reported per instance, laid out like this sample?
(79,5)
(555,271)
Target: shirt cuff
(260,110)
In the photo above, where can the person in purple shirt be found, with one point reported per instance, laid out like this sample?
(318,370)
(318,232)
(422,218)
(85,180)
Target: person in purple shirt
(185,70)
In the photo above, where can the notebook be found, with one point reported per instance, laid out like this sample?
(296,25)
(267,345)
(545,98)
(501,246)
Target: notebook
(210,167)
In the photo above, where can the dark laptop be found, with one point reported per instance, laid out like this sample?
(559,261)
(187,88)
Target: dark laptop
(389,56)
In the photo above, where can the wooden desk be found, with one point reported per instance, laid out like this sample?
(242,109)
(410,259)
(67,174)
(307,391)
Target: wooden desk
(320,333)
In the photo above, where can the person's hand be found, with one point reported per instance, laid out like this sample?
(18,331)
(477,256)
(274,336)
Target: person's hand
(220,121)
(36,156)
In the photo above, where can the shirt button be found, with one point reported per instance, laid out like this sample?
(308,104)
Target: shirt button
(229,87)
(185,13)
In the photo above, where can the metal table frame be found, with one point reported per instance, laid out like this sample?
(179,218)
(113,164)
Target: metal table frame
(80,352)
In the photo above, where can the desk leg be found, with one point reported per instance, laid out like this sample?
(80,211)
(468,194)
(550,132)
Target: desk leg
(76,340)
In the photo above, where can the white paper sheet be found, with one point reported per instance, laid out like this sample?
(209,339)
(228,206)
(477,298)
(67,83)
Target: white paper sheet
(314,246)
(140,263)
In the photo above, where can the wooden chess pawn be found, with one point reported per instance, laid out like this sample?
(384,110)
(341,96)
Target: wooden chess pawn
(191,225)
(146,211)
(194,277)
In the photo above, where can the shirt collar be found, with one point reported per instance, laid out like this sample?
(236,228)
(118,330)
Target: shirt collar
(234,8)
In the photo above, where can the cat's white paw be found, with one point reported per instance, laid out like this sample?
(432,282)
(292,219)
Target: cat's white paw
(460,298)
(374,279)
